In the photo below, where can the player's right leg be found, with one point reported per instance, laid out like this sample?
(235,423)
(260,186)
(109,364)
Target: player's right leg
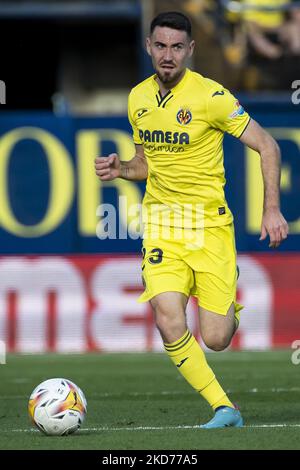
(169,314)
(184,350)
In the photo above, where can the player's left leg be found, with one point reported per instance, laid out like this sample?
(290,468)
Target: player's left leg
(217,330)
(216,274)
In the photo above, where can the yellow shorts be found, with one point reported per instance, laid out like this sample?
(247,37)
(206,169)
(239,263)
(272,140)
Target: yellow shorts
(204,267)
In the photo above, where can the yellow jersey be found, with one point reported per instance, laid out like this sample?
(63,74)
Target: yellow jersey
(182,135)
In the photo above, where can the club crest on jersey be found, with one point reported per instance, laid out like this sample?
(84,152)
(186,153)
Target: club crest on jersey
(238,112)
(184,116)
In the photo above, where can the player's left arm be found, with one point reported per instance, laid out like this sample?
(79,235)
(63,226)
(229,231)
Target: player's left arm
(273,222)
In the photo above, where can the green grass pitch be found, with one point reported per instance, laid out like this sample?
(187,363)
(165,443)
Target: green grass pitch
(140,401)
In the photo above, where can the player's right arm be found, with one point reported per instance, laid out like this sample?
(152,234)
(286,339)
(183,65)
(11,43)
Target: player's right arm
(109,168)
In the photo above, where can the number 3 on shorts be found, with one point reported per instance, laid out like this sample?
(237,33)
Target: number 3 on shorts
(157,255)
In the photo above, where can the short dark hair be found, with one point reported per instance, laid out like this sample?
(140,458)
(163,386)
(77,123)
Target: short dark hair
(173,20)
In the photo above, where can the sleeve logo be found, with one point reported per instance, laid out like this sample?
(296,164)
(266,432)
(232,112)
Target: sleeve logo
(216,93)
(141,112)
(237,112)
(184,116)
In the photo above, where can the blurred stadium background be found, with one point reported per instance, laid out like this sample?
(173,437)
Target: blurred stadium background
(68,67)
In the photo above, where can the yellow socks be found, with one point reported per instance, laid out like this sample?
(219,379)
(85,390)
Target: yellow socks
(190,360)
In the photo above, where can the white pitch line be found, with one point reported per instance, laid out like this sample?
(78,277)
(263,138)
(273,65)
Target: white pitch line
(196,426)
(166,393)
(157,428)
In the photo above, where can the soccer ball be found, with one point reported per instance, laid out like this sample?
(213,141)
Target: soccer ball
(57,407)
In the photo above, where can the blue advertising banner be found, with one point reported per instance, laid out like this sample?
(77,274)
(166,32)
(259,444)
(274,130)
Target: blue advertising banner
(49,194)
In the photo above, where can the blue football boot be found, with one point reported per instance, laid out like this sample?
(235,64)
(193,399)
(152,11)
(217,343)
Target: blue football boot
(225,417)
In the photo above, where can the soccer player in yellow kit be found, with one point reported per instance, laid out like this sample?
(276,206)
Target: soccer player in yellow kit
(179,119)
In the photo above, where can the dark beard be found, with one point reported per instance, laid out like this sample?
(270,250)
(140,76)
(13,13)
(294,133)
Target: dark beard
(167,81)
